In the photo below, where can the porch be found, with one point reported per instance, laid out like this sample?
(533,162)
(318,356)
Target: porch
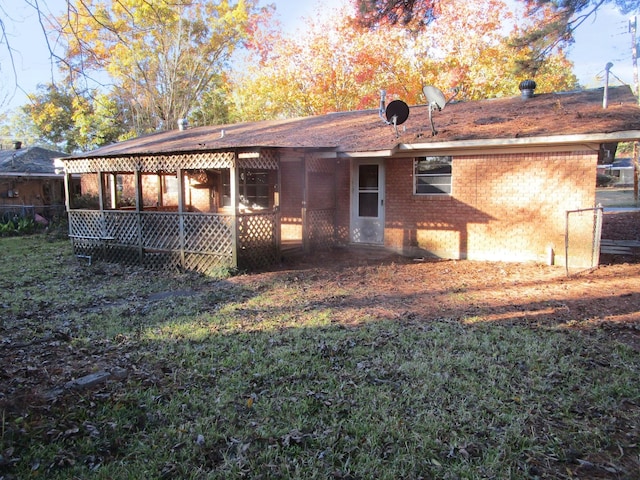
(200,211)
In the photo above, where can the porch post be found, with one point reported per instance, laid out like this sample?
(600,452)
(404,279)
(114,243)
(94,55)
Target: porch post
(233,187)
(137,176)
(180,175)
(276,198)
(305,193)
(160,199)
(101,189)
(67,198)
(113,191)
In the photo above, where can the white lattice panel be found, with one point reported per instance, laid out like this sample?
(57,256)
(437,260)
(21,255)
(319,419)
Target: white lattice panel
(320,165)
(160,231)
(267,160)
(257,247)
(207,263)
(162,260)
(208,233)
(86,223)
(122,227)
(151,163)
(321,228)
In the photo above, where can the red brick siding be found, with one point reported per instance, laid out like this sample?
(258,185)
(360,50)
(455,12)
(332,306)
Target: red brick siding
(502,207)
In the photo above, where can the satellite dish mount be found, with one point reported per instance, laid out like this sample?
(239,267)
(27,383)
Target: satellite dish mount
(435,100)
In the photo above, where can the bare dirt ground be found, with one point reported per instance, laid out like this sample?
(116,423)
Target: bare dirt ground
(607,297)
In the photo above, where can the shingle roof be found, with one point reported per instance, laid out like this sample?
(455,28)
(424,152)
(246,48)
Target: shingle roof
(569,113)
(32,160)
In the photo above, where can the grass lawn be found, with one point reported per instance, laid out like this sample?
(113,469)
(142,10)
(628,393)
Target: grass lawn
(278,376)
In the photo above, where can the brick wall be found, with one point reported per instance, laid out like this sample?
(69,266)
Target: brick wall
(502,207)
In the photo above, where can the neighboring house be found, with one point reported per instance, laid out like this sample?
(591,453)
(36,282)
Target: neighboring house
(620,173)
(506,179)
(29,182)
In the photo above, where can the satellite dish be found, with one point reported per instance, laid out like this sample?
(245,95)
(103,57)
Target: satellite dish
(435,99)
(397,112)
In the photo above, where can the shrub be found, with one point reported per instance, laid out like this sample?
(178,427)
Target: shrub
(603,180)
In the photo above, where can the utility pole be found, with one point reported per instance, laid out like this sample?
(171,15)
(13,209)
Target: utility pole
(633,26)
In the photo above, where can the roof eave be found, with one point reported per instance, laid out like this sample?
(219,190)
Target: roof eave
(32,175)
(505,145)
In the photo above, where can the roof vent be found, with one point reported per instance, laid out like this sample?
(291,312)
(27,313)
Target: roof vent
(183,123)
(17,145)
(527,87)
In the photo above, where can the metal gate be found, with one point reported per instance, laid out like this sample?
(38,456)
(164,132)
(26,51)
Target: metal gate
(583,229)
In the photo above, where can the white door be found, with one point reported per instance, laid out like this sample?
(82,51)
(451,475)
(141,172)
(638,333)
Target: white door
(367,202)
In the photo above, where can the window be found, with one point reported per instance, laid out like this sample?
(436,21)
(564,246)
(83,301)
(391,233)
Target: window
(432,176)
(170,184)
(253,188)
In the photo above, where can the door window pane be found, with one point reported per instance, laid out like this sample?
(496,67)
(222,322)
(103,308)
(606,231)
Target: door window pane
(368,204)
(368,177)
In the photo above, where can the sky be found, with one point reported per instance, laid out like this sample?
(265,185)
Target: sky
(599,41)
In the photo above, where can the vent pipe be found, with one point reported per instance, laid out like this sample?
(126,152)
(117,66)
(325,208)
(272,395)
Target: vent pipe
(605,97)
(526,88)
(182,124)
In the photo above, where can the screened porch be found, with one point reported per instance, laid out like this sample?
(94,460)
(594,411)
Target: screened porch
(194,211)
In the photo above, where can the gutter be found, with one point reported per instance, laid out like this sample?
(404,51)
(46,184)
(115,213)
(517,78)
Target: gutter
(31,175)
(503,145)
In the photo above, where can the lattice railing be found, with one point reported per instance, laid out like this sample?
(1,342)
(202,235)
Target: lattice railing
(123,226)
(159,240)
(321,228)
(203,235)
(257,240)
(160,231)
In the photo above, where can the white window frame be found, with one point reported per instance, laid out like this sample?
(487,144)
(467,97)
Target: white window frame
(442,186)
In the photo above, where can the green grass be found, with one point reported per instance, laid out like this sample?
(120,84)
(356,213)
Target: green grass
(232,382)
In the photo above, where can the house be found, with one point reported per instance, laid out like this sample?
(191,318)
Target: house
(29,183)
(509,179)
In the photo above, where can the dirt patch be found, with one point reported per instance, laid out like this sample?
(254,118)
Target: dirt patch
(392,286)
(621,225)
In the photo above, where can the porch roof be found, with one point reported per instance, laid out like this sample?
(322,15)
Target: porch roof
(576,117)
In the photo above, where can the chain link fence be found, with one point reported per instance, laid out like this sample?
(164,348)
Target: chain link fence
(583,229)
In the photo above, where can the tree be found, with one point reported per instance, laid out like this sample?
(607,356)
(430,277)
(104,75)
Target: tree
(550,26)
(71,121)
(17,125)
(329,66)
(339,65)
(160,55)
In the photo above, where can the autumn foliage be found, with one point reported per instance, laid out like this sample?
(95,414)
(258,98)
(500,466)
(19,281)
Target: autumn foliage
(338,64)
(139,66)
